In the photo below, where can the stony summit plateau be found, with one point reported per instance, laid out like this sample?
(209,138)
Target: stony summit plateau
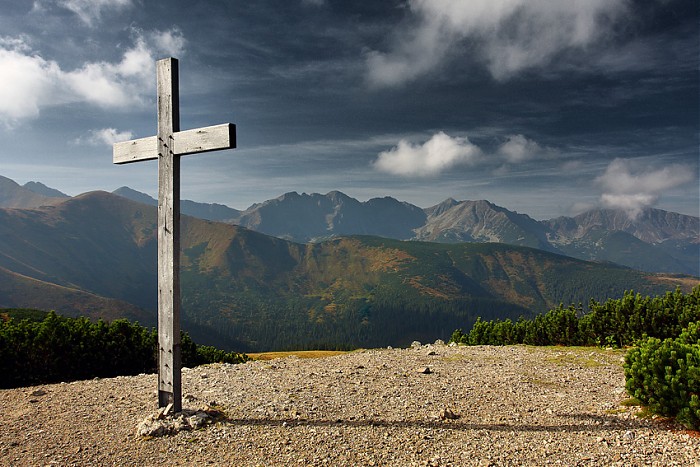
(512,406)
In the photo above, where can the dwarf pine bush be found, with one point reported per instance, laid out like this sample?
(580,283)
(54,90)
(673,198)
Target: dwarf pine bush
(665,375)
(57,348)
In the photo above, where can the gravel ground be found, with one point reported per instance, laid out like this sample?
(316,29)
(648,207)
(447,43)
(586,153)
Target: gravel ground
(425,406)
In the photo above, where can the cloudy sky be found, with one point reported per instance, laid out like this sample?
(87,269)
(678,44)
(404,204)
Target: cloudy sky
(546,107)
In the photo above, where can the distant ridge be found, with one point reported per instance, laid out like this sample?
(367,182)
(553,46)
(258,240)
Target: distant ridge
(12,195)
(654,241)
(650,226)
(312,217)
(133,195)
(41,189)
(207,211)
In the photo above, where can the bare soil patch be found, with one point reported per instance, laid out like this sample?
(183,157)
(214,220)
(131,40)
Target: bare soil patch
(475,406)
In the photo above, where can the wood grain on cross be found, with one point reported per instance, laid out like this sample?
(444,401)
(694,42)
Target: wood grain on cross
(167,146)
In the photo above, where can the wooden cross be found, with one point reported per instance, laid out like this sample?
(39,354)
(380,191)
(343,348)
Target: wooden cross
(167,147)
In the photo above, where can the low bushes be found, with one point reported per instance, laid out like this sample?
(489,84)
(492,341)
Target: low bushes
(665,375)
(615,323)
(57,348)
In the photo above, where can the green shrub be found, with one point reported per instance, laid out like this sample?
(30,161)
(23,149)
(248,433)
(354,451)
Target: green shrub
(57,348)
(458,337)
(691,334)
(614,323)
(195,355)
(665,375)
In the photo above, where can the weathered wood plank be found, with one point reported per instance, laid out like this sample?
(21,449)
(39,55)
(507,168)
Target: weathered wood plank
(136,150)
(169,360)
(211,138)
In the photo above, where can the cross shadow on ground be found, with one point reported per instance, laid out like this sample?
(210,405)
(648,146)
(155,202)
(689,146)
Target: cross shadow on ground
(570,423)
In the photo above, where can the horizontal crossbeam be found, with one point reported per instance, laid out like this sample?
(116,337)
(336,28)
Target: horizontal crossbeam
(211,138)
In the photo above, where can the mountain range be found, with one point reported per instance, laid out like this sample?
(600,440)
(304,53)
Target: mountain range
(207,211)
(31,195)
(654,241)
(95,254)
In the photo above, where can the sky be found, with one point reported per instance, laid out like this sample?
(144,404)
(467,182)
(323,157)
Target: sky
(544,107)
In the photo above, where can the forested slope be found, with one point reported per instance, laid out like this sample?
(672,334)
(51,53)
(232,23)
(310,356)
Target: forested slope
(246,291)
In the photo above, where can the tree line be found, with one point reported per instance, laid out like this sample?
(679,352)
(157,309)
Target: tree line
(38,347)
(614,323)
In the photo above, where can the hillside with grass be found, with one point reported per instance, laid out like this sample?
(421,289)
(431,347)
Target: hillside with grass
(245,291)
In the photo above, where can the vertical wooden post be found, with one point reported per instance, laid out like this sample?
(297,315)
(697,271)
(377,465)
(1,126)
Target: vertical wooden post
(169,358)
(167,146)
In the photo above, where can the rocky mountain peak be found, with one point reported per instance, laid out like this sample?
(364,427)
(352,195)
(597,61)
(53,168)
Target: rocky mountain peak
(650,226)
(441,208)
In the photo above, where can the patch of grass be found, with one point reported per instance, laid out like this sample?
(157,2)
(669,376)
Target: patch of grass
(587,357)
(296,353)
(585,361)
(631,402)
(457,358)
(625,405)
(645,413)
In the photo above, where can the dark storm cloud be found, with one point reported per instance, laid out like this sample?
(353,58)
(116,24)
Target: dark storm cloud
(490,99)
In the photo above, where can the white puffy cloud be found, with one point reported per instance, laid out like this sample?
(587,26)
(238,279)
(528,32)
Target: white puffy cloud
(440,153)
(507,36)
(170,42)
(29,82)
(628,186)
(518,149)
(26,83)
(105,136)
(98,84)
(122,84)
